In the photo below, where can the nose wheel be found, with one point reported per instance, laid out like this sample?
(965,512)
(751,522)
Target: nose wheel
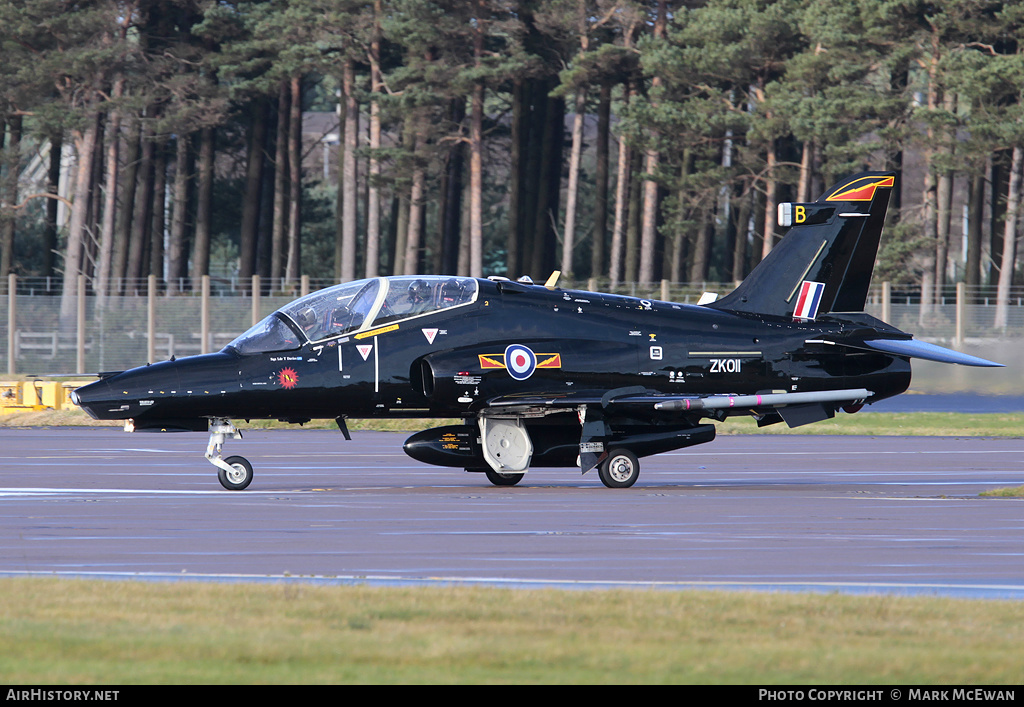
(238,477)
(234,473)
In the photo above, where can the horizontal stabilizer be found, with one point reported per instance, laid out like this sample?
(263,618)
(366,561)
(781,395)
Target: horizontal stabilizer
(929,352)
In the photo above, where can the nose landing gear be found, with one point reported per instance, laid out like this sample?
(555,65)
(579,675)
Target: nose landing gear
(234,473)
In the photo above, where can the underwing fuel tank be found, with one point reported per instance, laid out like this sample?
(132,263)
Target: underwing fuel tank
(455,445)
(553,446)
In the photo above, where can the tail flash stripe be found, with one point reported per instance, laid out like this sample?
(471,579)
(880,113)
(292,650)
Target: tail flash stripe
(809,299)
(861,192)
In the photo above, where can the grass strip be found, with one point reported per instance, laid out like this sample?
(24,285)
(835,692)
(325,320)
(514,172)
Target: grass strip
(928,424)
(61,631)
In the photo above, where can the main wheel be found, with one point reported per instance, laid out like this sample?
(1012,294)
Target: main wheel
(499,479)
(240,475)
(619,470)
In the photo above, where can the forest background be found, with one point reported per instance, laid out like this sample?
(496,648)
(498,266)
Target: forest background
(618,140)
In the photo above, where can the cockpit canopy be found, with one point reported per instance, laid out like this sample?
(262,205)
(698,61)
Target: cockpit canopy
(355,306)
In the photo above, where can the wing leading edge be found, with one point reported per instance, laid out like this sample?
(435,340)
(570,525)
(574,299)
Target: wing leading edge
(679,403)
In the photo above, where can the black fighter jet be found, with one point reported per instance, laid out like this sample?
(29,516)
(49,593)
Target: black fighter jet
(546,377)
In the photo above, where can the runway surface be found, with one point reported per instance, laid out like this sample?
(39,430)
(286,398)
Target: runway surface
(805,513)
(950,402)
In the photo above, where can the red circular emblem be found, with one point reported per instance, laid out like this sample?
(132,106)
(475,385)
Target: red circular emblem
(288,378)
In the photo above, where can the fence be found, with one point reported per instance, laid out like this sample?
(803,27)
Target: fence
(126,330)
(156,320)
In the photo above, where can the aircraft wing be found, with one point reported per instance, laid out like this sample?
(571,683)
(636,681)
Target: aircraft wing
(642,397)
(596,408)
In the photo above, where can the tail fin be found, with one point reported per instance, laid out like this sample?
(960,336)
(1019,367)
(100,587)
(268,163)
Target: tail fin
(824,263)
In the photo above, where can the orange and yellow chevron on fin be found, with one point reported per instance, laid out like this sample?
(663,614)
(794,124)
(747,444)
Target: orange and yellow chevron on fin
(861,189)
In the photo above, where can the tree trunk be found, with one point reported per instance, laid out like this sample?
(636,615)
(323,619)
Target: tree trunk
(106,254)
(1013,203)
(476,181)
(770,202)
(281,172)
(649,233)
(204,206)
(177,249)
(142,216)
(601,183)
(373,185)
(401,227)
(944,208)
(85,146)
(49,243)
(451,199)
(129,185)
(633,223)
(159,211)
(294,257)
(249,232)
(517,193)
(414,237)
(349,174)
(10,196)
(739,254)
(548,180)
(806,172)
(569,231)
(476,146)
(975,214)
(622,191)
(930,197)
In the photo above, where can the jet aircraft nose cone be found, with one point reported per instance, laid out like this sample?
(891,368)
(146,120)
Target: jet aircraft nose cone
(93,398)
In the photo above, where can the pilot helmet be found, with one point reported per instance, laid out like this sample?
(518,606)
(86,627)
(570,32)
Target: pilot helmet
(451,292)
(306,318)
(419,291)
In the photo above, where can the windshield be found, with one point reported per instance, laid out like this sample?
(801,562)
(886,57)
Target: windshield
(336,310)
(271,334)
(355,306)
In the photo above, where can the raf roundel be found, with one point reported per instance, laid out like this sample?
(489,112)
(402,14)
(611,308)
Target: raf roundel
(520,361)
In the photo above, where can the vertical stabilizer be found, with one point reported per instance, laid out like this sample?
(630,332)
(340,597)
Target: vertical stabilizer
(824,262)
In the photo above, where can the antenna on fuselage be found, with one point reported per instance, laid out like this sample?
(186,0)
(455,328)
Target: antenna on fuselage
(550,284)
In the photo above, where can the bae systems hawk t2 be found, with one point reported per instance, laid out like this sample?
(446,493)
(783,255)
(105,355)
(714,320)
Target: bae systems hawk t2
(546,377)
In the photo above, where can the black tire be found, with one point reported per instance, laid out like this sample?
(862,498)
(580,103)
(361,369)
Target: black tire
(499,479)
(239,478)
(619,470)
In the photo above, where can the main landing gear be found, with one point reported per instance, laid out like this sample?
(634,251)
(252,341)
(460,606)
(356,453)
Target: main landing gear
(619,470)
(502,479)
(234,473)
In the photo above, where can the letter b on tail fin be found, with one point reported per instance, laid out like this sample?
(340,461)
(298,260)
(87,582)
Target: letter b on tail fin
(824,262)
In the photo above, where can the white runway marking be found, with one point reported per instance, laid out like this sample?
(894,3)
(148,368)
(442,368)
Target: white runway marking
(978,591)
(43,491)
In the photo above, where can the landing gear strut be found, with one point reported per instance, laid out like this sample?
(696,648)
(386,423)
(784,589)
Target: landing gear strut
(234,473)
